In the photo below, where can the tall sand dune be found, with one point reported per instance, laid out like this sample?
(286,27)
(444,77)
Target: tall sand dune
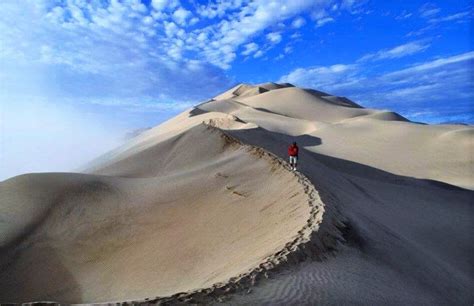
(202,207)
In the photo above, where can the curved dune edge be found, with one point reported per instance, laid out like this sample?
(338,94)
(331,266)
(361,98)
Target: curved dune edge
(317,239)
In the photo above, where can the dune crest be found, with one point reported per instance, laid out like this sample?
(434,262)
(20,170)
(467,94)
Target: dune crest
(172,228)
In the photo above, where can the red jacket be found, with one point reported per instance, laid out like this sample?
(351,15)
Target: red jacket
(293,150)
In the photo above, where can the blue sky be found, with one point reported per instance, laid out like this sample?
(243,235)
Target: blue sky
(111,66)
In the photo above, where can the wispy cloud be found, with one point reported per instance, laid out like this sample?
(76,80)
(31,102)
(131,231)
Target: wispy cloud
(420,31)
(287,50)
(274,37)
(250,48)
(437,63)
(321,22)
(321,76)
(452,17)
(258,54)
(435,19)
(404,15)
(429,10)
(143,104)
(298,22)
(397,52)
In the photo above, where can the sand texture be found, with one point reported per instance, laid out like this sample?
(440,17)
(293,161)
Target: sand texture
(204,208)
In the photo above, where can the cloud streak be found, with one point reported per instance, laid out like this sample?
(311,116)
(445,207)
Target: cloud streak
(396,52)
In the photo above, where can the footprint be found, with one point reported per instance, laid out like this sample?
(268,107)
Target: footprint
(232,189)
(218,174)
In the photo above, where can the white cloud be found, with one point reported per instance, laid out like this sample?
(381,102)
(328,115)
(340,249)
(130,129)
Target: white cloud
(452,17)
(287,50)
(175,52)
(219,8)
(193,21)
(438,63)
(274,37)
(353,6)
(421,31)
(323,21)
(148,20)
(258,54)
(295,35)
(397,52)
(404,15)
(428,10)
(202,37)
(144,104)
(435,22)
(243,22)
(321,76)
(250,48)
(171,29)
(298,22)
(159,4)
(181,15)
(347,4)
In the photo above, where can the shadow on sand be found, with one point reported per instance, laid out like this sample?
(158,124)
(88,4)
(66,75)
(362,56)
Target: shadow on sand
(394,220)
(41,279)
(278,143)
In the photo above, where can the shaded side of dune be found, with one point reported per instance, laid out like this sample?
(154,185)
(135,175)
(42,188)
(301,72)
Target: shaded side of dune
(409,240)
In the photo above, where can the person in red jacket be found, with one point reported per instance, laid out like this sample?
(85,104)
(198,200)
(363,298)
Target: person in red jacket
(293,153)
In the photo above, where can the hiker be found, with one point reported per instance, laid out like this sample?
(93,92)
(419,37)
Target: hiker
(293,153)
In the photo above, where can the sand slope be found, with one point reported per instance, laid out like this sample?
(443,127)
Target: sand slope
(381,139)
(185,206)
(133,235)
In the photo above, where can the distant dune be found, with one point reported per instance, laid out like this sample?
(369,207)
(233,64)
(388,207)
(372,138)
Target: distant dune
(203,208)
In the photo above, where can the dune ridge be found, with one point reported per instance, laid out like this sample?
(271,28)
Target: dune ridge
(316,240)
(313,237)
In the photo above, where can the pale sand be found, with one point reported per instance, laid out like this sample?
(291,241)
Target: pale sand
(183,207)
(208,209)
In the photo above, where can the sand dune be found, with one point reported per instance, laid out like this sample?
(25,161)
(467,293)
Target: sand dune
(381,139)
(200,216)
(201,205)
